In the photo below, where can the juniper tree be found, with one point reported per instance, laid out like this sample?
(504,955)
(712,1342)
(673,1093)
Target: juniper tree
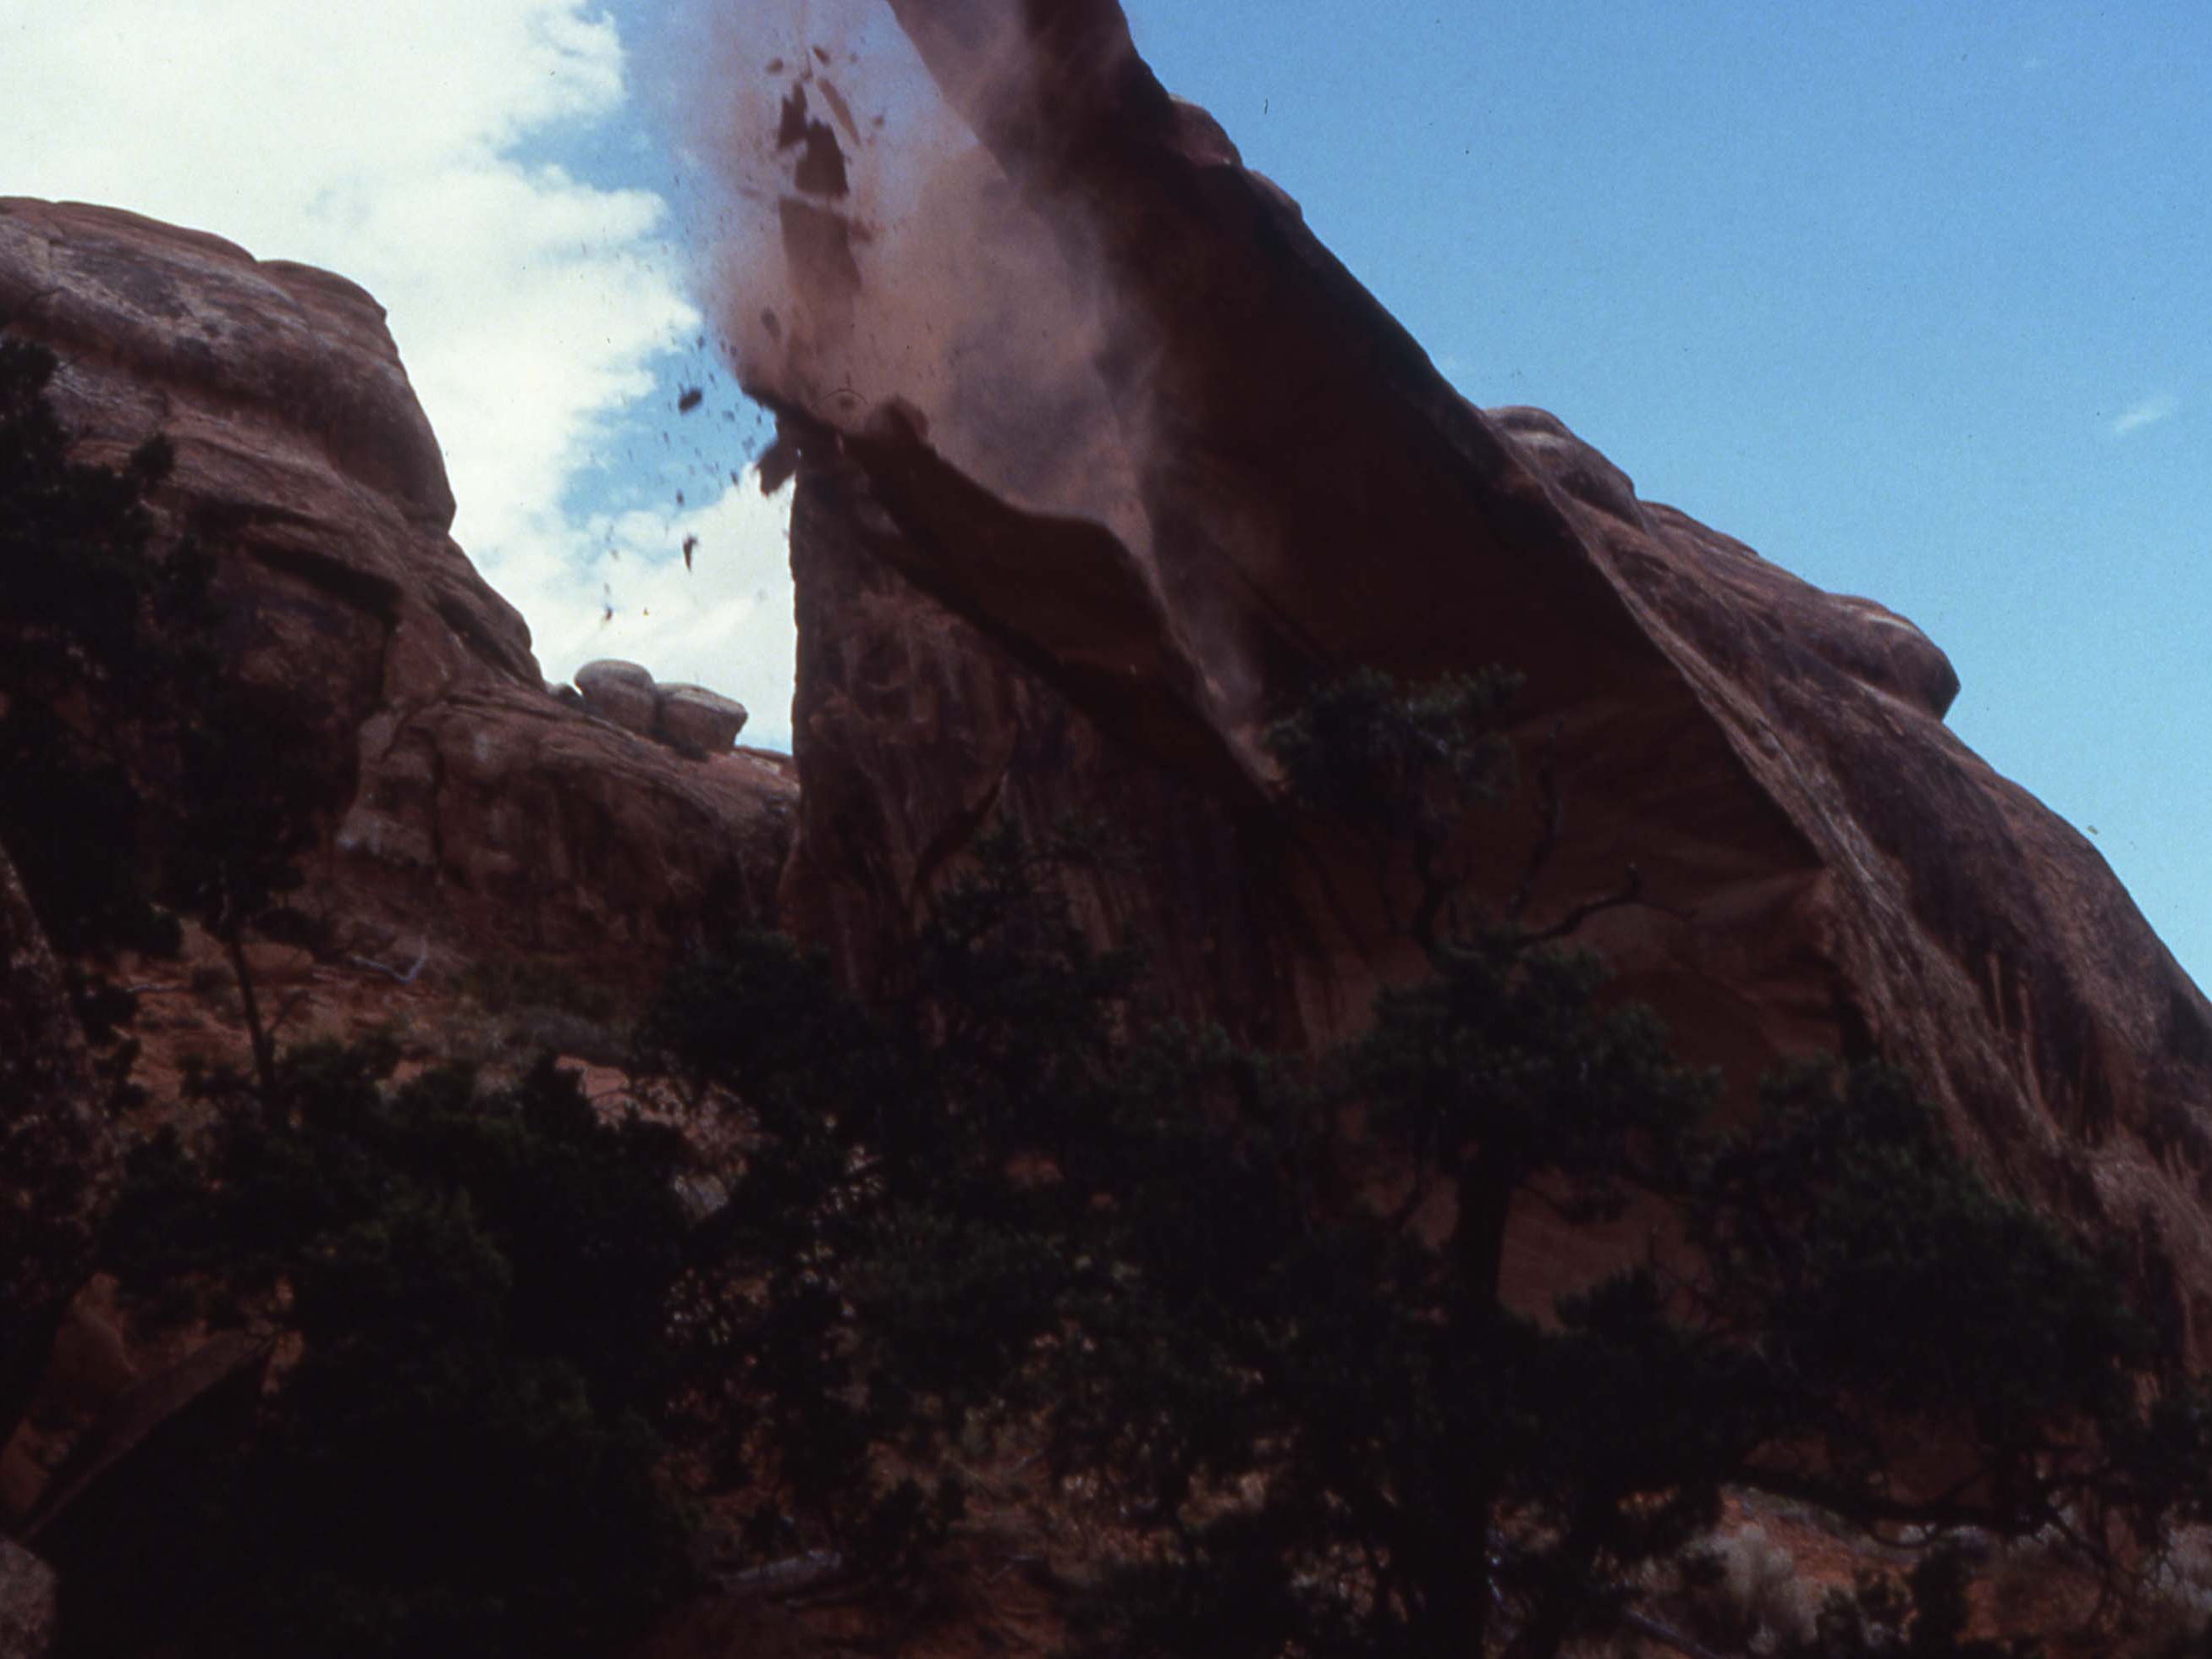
(478,1290)
(142,779)
(1262,1303)
(77,584)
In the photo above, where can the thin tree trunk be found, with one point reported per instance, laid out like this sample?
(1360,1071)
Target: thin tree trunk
(257,1033)
(58,1157)
(1460,1615)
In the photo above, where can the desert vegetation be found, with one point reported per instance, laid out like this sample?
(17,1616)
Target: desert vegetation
(529,1370)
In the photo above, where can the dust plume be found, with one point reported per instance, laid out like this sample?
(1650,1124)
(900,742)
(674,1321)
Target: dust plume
(867,248)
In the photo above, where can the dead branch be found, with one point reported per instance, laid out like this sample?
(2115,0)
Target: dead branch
(1550,818)
(422,956)
(1631,892)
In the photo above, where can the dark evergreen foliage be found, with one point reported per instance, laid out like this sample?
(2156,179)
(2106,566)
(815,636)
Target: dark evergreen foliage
(1263,1306)
(77,586)
(140,779)
(74,587)
(1260,1306)
(463,1451)
(1400,766)
(1843,1236)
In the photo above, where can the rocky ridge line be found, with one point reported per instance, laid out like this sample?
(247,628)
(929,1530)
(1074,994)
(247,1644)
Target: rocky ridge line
(471,806)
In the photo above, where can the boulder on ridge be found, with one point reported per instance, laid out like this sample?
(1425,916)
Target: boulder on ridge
(465,801)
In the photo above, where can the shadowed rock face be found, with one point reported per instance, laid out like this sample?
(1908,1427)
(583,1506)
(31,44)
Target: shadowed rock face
(472,806)
(917,729)
(500,820)
(688,716)
(1823,865)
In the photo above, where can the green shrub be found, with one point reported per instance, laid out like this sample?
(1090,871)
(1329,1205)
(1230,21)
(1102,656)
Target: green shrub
(466,1454)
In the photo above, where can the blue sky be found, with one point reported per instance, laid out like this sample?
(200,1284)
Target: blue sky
(1912,298)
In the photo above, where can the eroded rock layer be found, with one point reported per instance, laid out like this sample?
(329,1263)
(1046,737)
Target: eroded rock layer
(918,731)
(1821,865)
(469,806)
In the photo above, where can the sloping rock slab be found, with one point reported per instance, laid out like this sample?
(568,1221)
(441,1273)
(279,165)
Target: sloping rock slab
(1822,864)
(301,447)
(506,818)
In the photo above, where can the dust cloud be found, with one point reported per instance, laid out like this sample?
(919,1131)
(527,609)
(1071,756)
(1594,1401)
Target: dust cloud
(865,248)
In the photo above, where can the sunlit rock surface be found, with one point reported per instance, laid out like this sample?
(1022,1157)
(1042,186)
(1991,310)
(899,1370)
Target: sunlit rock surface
(471,807)
(1821,865)
(692,717)
(621,692)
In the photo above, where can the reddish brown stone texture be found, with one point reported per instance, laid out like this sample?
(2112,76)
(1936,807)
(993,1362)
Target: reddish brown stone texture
(473,807)
(1823,864)
(60,1156)
(502,822)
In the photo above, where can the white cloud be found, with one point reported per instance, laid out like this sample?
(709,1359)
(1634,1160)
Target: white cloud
(724,622)
(2148,412)
(378,141)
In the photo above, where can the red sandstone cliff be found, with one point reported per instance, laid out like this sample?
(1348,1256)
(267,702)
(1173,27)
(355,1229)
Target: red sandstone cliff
(1823,865)
(479,814)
